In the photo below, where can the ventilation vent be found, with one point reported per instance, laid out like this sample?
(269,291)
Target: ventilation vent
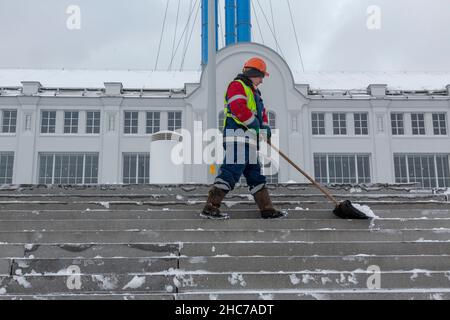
(167,136)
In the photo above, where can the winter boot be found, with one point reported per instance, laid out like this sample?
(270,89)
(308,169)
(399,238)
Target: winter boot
(211,210)
(262,199)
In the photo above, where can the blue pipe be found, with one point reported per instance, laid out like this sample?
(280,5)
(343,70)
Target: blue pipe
(230,22)
(205,31)
(244,23)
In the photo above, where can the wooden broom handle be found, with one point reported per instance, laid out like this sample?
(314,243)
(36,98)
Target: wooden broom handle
(326,192)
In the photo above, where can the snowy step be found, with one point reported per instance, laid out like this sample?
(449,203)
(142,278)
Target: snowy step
(311,249)
(92,284)
(200,189)
(93,296)
(93,266)
(299,212)
(246,295)
(198,205)
(319,295)
(47,267)
(264,249)
(185,282)
(294,264)
(330,280)
(236,224)
(89,250)
(201,197)
(5,267)
(222,236)
(11,251)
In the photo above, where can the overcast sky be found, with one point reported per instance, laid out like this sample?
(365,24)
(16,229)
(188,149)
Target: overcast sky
(414,35)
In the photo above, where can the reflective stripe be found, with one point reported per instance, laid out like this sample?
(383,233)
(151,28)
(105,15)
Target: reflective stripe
(257,188)
(251,104)
(222,184)
(236,139)
(249,121)
(237,97)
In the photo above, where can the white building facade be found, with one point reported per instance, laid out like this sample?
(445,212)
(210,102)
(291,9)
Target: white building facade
(94,127)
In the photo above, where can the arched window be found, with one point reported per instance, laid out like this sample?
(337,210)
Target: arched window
(272,119)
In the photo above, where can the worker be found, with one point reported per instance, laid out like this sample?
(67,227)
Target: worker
(244,113)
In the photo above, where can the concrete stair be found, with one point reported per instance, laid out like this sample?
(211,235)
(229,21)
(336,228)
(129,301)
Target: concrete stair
(148,242)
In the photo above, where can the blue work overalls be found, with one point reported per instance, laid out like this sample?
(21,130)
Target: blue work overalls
(243,160)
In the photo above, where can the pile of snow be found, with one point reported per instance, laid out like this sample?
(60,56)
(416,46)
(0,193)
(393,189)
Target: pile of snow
(107,283)
(104,204)
(230,204)
(22,281)
(29,247)
(237,278)
(135,283)
(294,279)
(268,296)
(366,210)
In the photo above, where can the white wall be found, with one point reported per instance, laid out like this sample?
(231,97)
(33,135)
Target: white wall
(280,95)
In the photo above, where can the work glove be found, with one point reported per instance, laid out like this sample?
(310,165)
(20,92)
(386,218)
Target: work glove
(266,132)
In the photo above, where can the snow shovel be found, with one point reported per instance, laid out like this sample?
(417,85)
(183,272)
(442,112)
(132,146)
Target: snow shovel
(344,209)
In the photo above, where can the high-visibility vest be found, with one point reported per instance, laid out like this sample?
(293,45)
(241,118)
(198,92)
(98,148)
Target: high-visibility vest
(251,104)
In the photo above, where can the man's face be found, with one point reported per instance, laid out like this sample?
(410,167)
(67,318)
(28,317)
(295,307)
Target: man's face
(257,81)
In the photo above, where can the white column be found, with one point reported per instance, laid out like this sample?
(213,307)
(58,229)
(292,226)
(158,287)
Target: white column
(82,116)
(25,156)
(110,153)
(381,158)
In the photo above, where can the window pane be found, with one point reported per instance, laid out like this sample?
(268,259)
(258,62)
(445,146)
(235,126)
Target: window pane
(6,167)
(397,123)
(439,124)
(174,121)
(93,122)
(428,171)
(320,168)
(136,168)
(9,121)
(131,122)
(339,124)
(68,168)
(153,122)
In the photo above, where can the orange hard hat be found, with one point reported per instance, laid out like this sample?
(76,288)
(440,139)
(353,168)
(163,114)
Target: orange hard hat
(258,64)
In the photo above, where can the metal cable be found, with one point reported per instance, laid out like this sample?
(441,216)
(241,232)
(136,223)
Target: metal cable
(181,37)
(296,36)
(175,32)
(190,36)
(162,34)
(268,24)
(257,22)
